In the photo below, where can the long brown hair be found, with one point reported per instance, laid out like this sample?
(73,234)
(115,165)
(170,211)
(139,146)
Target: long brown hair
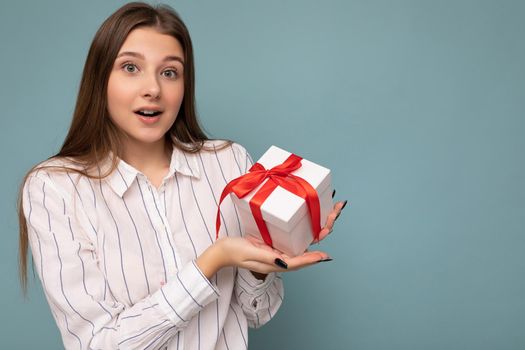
(92,135)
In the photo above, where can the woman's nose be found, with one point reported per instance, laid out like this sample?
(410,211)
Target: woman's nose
(151,88)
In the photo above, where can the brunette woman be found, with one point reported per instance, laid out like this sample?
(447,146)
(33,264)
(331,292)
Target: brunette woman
(120,221)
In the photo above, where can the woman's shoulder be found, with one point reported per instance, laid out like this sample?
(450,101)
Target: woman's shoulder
(207,147)
(226,154)
(55,165)
(220,145)
(56,170)
(224,148)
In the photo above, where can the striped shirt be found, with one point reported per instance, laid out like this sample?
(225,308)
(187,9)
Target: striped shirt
(116,257)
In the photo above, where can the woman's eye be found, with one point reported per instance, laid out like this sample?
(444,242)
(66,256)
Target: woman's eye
(170,73)
(130,68)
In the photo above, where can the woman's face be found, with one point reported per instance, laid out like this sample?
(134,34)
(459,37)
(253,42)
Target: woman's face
(146,86)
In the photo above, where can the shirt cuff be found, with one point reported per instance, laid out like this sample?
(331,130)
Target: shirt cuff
(186,294)
(251,284)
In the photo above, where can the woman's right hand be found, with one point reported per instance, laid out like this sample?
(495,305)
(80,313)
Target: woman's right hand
(249,254)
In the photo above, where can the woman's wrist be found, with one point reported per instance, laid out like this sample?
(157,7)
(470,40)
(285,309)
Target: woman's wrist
(211,260)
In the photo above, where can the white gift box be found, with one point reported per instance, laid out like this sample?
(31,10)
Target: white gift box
(286,214)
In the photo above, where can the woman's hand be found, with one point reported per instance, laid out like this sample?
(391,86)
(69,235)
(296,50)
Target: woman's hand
(309,257)
(330,221)
(246,252)
(249,253)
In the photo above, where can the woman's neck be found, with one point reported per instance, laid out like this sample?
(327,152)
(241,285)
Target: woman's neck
(148,158)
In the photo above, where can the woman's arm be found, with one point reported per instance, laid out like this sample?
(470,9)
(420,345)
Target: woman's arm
(260,298)
(85,311)
(258,286)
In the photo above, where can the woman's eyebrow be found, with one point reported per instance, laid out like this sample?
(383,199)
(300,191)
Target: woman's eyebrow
(141,56)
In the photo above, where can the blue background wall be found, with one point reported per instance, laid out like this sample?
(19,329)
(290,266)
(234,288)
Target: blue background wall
(418,107)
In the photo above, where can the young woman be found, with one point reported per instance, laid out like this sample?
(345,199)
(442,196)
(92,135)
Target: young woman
(120,222)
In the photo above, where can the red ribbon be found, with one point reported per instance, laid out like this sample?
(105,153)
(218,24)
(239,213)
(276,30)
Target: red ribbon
(280,175)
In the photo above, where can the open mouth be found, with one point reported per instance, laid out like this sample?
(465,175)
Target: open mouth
(148,114)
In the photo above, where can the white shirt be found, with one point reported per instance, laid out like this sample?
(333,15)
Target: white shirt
(116,257)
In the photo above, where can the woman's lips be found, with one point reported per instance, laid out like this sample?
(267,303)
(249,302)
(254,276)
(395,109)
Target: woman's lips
(148,120)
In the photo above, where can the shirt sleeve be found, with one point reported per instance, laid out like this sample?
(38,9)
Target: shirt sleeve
(259,299)
(242,158)
(86,313)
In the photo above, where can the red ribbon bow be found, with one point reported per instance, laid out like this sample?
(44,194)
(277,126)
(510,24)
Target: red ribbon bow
(280,175)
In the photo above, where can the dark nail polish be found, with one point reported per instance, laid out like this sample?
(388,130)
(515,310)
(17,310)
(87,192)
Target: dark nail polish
(333,194)
(344,204)
(328,259)
(281,263)
(337,216)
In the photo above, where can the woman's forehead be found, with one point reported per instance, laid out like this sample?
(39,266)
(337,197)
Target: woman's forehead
(149,44)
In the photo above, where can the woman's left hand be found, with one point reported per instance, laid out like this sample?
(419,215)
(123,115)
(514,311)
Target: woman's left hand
(330,221)
(308,257)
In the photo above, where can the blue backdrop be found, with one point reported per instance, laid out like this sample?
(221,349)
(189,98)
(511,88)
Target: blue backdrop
(418,107)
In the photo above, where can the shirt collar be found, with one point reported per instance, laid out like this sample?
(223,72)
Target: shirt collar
(121,179)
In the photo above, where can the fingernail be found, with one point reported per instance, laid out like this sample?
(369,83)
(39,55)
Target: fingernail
(327,259)
(337,216)
(281,263)
(344,204)
(333,194)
